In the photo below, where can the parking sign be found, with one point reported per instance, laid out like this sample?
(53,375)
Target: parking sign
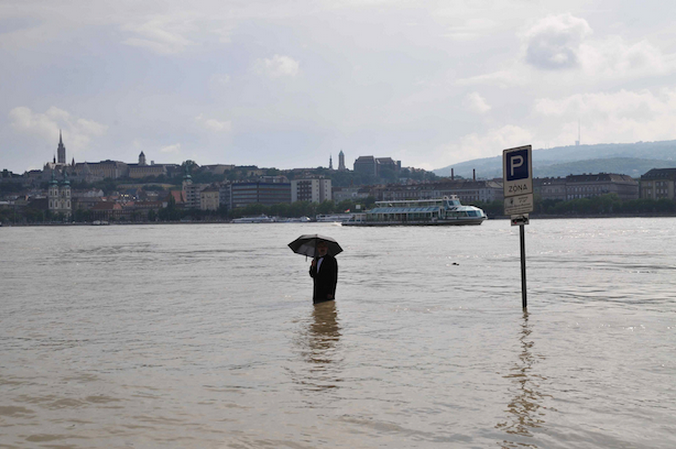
(517,172)
(518,187)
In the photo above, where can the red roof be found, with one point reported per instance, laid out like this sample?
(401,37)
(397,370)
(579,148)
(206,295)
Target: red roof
(178,196)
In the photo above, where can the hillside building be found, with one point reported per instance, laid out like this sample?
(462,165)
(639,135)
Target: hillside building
(143,170)
(387,163)
(108,169)
(218,169)
(371,165)
(365,164)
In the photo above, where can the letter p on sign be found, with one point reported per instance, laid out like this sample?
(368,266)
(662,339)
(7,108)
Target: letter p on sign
(515,162)
(518,166)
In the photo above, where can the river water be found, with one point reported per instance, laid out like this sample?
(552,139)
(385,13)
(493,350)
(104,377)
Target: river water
(205,336)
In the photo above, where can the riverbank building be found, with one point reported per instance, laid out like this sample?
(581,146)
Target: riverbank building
(59,196)
(658,183)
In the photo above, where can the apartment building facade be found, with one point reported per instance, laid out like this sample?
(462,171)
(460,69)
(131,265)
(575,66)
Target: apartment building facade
(314,190)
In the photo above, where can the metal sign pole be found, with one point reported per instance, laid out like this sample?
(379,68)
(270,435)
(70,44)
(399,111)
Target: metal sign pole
(518,194)
(524,268)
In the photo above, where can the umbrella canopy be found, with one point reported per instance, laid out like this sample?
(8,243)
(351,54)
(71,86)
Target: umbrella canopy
(306,244)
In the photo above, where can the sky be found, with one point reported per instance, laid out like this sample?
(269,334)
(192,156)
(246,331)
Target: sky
(289,83)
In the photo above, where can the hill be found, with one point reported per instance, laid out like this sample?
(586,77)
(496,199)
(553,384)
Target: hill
(633,159)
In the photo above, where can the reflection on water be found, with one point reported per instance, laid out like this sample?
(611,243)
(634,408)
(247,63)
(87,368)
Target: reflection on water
(525,411)
(318,344)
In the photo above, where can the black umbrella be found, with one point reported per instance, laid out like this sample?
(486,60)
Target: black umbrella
(306,244)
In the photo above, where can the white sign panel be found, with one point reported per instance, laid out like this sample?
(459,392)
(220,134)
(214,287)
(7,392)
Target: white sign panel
(518,205)
(517,172)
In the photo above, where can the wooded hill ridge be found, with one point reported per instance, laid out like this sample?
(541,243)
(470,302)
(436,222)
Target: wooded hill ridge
(633,159)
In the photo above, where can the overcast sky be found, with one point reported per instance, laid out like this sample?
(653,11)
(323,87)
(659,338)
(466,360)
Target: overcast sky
(286,83)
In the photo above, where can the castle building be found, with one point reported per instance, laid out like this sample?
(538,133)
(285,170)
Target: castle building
(143,170)
(365,164)
(373,165)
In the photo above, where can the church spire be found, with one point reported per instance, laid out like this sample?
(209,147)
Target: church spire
(61,151)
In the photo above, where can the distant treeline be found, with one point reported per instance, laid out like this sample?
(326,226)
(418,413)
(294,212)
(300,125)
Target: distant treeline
(600,206)
(604,205)
(173,213)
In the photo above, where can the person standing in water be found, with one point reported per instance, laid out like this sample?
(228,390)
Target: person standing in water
(324,271)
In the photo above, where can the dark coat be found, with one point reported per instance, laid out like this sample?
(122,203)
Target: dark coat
(324,281)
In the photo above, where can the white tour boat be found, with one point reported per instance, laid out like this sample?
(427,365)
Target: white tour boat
(432,212)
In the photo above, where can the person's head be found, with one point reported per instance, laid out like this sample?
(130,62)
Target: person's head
(322,248)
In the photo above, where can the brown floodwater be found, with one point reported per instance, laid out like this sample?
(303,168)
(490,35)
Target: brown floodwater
(205,336)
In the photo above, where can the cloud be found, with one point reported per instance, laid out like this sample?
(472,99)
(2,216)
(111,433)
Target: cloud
(564,47)
(470,29)
(623,116)
(160,35)
(476,103)
(622,103)
(494,141)
(614,58)
(171,149)
(554,42)
(220,80)
(278,66)
(77,132)
(515,76)
(213,124)
(491,143)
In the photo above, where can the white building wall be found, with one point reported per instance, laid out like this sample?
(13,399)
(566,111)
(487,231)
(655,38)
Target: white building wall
(325,190)
(314,190)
